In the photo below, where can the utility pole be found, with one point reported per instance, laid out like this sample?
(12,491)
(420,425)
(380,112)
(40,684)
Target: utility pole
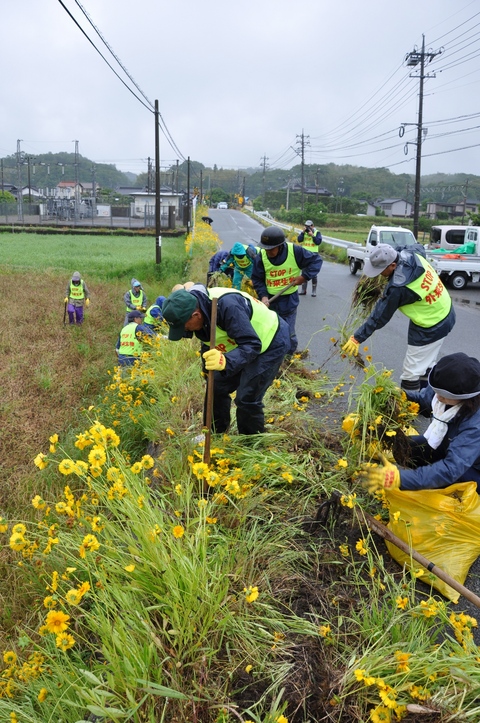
(264,163)
(19,182)
(201,185)
(413,59)
(303,142)
(316,185)
(3,182)
(243,192)
(94,193)
(465,201)
(77,194)
(176,184)
(188,195)
(158,238)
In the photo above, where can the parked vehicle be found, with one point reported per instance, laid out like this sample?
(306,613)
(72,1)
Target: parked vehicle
(447,237)
(395,236)
(458,269)
(222,204)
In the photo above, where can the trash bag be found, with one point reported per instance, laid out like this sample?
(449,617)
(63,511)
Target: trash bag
(443,525)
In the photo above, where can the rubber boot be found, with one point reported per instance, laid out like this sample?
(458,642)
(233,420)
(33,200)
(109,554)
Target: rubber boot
(304,289)
(314,288)
(410,385)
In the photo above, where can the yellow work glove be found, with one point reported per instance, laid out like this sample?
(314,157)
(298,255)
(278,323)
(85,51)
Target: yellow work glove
(214,360)
(386,476)
(87,302)
(65,301)
(351,347)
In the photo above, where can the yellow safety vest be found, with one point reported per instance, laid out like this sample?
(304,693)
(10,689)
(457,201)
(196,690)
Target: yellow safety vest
(308,241)
(276,277)
(435,302)
(136,300)
(77,292)
(264,321)
(149,319)
(129,344)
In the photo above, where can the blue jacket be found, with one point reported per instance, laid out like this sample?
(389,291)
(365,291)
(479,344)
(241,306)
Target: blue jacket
(397,294)
(310,264)
(459,451)
(217,260)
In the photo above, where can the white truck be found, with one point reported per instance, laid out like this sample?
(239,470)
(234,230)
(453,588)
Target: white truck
(458,269)
(395,236)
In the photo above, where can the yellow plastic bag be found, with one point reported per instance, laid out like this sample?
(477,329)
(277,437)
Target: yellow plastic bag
(443,525)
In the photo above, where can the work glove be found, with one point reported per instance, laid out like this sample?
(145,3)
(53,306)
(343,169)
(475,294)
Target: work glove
(214,360)
(65,301)
(386,476)
(351,347)
(87,302)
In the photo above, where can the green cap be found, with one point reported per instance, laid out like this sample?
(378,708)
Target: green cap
(177,310)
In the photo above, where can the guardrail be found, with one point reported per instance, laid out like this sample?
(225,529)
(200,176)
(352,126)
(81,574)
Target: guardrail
(265,215)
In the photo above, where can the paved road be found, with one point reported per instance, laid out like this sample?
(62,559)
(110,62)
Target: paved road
(320,318)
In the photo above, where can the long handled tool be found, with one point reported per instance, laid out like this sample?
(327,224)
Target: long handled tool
(65,313)
(387,534)
(209,401)
(282,291)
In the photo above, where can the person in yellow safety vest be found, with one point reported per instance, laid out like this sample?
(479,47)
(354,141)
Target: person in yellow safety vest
(250,344)
(129,344)
(241,258)
(135,298)
(153,315)
(77,296)
(278,264)
(415,289)
(311,239)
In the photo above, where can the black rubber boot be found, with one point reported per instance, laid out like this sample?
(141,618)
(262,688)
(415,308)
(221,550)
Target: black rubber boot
(304,289)
(314,289)
(410,385)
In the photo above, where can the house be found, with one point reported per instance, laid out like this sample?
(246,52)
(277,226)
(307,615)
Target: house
(87,188)
(453,209)
(310,190)
(68,190)
(370,208)
(32,192)
(143,206)
(395,207)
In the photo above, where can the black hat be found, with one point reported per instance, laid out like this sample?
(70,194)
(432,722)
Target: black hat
(271,237)
(132,315)
(456,376)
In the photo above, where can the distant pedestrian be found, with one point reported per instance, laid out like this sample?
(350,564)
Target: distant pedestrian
(311,239)
(135,298)
(77,296)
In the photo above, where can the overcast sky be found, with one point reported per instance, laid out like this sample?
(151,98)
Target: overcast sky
(237,81)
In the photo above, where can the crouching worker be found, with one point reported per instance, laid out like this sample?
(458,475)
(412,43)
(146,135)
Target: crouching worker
(251,341)
(129,344)
(77,297)
(153,316)
(449,450)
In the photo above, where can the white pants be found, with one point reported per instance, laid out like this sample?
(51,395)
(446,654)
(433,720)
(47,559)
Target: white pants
(418,359)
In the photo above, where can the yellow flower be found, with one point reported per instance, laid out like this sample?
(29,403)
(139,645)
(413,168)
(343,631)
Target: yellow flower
(40,461)
(390,433)
(38,503)
(19,529)
(17,542)
(361,548)
(147,461)
(344,550)
(178,489)
(388,696)
(56,621)
(288,477)
(49,602)
(402,659)
(380,714)
(9,657)
(129,568)
(348,500)
(200,469)
(3,525)
(359,673)
(211,520)
(178,531)
(324,630)
(64,641)
(248,668)
(136,468)
(73,597)
(341,463)
(42,695)
(170,432)
(251,594)
(66,466)
(402,602)
(281,719)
